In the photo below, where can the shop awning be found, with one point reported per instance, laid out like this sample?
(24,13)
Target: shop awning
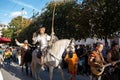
(5,40)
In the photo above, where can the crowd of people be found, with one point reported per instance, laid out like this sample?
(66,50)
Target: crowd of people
(93,59)
(9,54)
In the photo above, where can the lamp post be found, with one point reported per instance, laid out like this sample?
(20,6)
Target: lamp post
(22,17)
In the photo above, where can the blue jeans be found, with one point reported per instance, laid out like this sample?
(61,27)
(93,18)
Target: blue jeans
(7,60)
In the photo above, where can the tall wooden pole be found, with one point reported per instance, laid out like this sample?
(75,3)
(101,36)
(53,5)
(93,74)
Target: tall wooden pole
(53,19)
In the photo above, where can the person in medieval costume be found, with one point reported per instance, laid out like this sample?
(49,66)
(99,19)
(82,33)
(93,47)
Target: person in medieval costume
(113,56)
(72,60)
(42,39)
(24,48)
(96,61)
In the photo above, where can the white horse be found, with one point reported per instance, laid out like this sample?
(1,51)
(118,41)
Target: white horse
(52,58)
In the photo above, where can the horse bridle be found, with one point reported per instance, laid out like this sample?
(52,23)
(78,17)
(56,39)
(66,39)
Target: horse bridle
(65,49)
(70,43)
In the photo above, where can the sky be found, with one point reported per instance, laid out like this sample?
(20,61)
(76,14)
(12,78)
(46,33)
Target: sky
(10,9)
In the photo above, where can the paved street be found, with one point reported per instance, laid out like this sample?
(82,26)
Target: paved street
(13,72)
(1,76)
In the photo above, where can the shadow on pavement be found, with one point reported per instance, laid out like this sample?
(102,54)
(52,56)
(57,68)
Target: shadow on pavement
(16,70)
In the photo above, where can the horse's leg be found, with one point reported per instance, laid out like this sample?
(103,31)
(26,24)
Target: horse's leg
(26,68)
(61,71)
(33,65)
(30,70)
(51,72)
(22,68)
(38,67)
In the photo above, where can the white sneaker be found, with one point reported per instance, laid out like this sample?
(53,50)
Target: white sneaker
(42,68)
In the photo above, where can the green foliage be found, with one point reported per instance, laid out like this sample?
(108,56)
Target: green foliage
(13,32)
(98,18)
(64,25)
(65,18)
(7,32)
(104,20)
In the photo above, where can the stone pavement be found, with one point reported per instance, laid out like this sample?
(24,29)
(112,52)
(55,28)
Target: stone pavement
(57,76)
(1,77)
(13,72)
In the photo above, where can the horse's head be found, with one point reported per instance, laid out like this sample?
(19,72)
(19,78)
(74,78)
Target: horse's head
(71,47)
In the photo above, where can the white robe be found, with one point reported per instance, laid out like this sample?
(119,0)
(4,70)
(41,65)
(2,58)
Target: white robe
(43,39)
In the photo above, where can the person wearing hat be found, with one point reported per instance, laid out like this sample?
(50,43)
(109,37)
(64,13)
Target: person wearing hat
(24,47)
(42,38)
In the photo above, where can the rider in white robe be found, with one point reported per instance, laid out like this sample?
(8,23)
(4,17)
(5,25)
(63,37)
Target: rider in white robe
(42,39)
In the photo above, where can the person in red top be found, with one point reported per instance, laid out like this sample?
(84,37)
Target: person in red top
(72,60)
(96,60)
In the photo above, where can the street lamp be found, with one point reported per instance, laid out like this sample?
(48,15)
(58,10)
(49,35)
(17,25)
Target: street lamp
(22,12)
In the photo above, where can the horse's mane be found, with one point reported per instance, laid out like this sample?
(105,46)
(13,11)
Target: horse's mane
(59,47)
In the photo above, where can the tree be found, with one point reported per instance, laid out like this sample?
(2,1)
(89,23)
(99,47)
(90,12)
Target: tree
(98,18)
(65,18)
(104,17)
(7,32)
(13,32)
